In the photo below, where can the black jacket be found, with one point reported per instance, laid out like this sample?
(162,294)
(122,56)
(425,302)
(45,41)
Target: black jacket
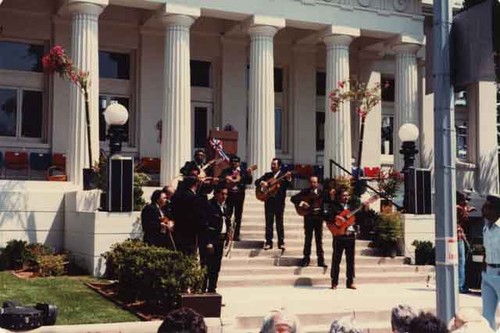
(246,179)
(150,221)
(284,184)
(188,211)
(214,221)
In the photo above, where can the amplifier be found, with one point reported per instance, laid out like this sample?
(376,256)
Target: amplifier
(418,191)
(120,184)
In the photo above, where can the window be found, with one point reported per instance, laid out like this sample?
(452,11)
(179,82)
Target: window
(461,125)
(278,128)
(278,80)
(114,65)
(104,102)
(200,73)
(200,126)
(116,86)
(461,134)
(19,56)
(320,131)
(21,113)
(387,133)
(320,83)
(388,89)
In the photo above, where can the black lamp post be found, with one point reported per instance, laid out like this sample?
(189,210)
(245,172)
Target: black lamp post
(408,134)
(115,115)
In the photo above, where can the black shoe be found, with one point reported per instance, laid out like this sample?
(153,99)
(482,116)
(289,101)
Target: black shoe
(305,262)
(334,286)
(321,263)
(268,247)
(351,286)
(282,247)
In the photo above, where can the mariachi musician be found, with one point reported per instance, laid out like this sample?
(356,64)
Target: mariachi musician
(205,172)
(308,203)
(335,202)
(275,203)
(236,181)
(156,226)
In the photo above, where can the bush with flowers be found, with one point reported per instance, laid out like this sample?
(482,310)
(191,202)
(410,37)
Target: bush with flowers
(389,182)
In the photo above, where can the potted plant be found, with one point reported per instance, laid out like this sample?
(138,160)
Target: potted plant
(388,231)
(389,183)
(424,252)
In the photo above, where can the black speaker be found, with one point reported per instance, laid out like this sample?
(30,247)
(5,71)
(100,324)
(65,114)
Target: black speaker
(120,184)
(418,191)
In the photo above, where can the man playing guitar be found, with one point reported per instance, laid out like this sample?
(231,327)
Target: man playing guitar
(309,201)
(333,205)
(236,181)
(275,203)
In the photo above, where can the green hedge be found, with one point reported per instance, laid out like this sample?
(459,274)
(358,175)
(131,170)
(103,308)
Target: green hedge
(424,253)
(152,274)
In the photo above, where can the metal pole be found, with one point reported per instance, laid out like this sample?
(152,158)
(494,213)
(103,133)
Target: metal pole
(445,147)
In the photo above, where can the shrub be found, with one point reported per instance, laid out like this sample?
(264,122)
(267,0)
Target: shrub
(424,253)
(140,179)
(388,230)
(152,274)
(51,264)
(15,255)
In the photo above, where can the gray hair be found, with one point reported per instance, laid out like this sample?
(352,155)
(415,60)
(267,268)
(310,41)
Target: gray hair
(344,325)
(401,317)
(279,317)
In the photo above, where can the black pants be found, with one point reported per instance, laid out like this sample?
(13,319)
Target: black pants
(235,202)
(212,262)
(274,208)
(313,224)
(341,243)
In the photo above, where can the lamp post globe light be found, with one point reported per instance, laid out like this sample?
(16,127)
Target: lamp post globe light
(408,134)
(115,116)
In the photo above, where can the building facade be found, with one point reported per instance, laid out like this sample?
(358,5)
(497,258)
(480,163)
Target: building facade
(265,67)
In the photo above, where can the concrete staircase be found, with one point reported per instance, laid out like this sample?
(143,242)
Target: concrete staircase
(254,281)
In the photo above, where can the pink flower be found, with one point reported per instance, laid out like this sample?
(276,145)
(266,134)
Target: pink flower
(341,84)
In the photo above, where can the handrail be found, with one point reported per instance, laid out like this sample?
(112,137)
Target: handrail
(382,195)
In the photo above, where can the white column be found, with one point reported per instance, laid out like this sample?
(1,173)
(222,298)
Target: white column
(406,99)
(176,142)
(486,135)
(261,134)
(85,55)
(337,124)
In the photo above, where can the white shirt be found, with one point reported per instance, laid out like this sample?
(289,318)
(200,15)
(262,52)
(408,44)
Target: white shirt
(491,241)
(223,230)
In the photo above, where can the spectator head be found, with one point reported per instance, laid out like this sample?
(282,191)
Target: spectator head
(461,198)
(401,316)
(199,156)
(426,322)
(169,191)
(276,164)
(183,320)
(491,207)
(279,322)
(344,325)
(158,197)
(469,320)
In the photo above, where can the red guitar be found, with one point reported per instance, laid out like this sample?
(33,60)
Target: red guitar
(346,218)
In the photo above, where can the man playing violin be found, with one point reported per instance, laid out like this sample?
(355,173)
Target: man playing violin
(236,181)
(310,200)
(336,202)
(275,204)
(205,173)
(155,224)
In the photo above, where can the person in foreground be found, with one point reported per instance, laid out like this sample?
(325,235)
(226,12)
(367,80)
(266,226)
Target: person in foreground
(344,325)
(469,320)
(490,285)
(426,322)
(279,322)
(183,320)
(401,317)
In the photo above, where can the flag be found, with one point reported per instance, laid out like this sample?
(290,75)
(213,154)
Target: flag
(217,146)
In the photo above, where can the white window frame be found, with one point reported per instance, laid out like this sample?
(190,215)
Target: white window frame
(388,111)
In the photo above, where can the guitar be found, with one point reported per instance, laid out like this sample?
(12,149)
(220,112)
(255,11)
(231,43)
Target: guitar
(313,201)
(263,193)
(233,180)
(346,218)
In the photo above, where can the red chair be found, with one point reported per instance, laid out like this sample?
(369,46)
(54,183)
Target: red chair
(372,172)
(59,160)
(16,161)
(304,171)
(149,165)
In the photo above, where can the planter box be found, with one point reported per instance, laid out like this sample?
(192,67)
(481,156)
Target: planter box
(208,305)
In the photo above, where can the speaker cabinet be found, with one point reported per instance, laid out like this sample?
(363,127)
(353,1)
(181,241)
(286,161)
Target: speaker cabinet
(120,184)
(418,192)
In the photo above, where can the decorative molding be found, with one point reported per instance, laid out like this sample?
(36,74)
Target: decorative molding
(384,7)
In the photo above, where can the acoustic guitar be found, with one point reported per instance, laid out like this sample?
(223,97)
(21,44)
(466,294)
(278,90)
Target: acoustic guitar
(236,179)
(263,193)
(314,202)
(346,218)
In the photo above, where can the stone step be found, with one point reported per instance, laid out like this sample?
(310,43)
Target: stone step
(313,269)
(317,280)
(295,261)
(259,243)
(295,233)
(296,250)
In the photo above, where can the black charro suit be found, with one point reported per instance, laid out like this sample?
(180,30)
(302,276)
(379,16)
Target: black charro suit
(313,222)
(151,217)
(215,232)
(188,213)
(236,196)
(274,208)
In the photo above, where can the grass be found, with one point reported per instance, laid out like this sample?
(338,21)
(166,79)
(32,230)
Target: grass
(76,303)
